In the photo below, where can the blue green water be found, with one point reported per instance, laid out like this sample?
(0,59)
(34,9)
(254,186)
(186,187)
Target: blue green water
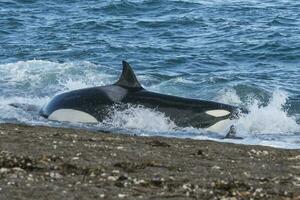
(241,52)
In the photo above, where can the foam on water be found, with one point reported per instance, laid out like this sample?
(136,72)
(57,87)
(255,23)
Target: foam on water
(11,114)
(270,119)
(140,118)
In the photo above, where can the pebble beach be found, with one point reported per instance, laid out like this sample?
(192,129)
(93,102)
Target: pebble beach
(39,162)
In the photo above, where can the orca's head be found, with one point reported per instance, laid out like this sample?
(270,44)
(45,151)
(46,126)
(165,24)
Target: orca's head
(224,117)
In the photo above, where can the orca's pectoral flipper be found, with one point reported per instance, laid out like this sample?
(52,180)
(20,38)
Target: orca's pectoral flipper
(128,78)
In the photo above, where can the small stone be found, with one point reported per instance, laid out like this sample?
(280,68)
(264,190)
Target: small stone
(199,152)
(253,151)
(122,178)
(246,174)
(18,169)
(113,154)
(139,182)
(3,170)
(10,183)
(265,152)
(186,186)
(92,174)
(55,175)
(14,176)
(121,196)
(157,181)
(158,143)
(216,167)
(112,178)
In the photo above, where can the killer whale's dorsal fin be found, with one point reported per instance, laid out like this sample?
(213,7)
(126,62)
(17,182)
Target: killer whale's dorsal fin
(128,78)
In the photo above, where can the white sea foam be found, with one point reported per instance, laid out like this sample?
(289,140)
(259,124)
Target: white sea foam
(269,119)
(139,117)
(228,96)
(72,84)
(52,76)
(9,113)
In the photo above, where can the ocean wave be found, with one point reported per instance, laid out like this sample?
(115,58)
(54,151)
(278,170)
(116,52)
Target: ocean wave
(264,117)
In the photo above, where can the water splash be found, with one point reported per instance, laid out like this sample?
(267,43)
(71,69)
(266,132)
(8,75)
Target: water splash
(141,118)
(39,77)
(228,96)
(11,114)
(270,119)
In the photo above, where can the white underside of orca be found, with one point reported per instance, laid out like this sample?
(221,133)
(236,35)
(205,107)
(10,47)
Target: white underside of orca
(76,116)
(217,113)
(71,115)
(221,126)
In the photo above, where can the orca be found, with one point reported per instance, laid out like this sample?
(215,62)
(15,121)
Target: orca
(93,105)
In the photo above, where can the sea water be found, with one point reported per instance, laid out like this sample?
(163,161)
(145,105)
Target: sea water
(240,52)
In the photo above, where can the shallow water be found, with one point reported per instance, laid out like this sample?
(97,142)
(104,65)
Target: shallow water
(245,53)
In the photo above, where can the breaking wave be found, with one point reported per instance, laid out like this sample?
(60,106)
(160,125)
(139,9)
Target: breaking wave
(272,118)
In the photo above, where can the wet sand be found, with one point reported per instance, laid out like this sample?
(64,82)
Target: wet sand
(56,163)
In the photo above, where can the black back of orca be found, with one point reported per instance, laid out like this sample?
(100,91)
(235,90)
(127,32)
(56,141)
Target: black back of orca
(97,102)
(184,112)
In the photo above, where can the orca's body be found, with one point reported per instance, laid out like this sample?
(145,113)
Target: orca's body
(92,105)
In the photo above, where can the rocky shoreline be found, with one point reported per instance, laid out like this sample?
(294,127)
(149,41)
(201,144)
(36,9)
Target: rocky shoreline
(56,163)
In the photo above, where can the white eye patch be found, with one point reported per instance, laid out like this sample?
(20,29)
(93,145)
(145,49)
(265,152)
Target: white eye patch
(217,113)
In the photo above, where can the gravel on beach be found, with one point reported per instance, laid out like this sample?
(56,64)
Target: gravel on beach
(39,162)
